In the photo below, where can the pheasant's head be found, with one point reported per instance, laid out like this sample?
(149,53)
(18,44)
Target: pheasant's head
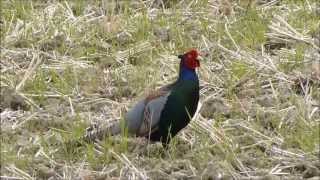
(190,59)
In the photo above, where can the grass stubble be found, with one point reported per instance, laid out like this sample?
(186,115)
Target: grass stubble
(66,65)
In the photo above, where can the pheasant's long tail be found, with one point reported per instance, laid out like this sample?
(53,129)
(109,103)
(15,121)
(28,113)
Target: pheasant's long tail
(97,133)
(102,131)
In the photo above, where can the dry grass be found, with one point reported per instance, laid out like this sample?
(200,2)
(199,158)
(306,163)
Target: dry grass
(66,65)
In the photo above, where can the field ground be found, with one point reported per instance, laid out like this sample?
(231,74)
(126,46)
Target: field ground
(66,65)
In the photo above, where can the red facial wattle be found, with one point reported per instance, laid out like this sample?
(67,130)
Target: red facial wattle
(191,60)
(192,63)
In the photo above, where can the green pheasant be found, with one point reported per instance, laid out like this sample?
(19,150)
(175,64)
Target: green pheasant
(162,114)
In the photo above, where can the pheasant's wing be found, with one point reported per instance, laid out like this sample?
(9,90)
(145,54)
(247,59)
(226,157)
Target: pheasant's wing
(145,115)
(151,113)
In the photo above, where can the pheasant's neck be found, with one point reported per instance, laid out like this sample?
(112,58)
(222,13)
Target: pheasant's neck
(188,74)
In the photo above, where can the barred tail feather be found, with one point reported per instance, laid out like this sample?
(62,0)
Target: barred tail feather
(102,131)
(96,132)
